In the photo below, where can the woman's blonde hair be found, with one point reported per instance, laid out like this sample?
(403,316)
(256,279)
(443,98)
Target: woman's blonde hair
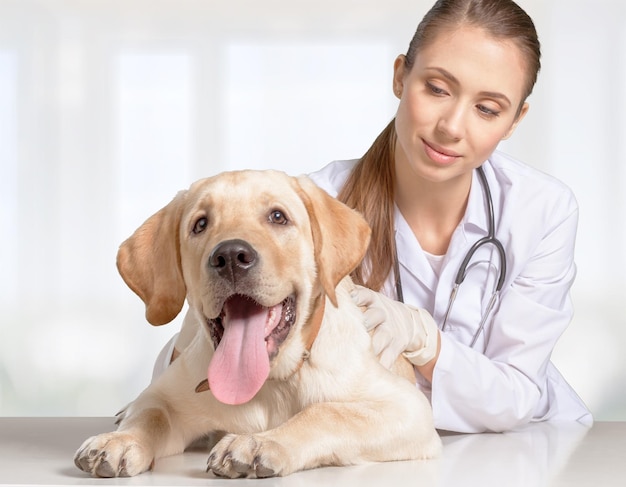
(370,186)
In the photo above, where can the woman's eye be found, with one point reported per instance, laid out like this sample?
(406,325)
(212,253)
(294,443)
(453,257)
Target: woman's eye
(487,111)
(435,89)
(200,225)
(278,217)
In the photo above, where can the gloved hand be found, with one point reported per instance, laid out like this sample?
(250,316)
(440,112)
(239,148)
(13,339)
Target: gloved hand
(398,328)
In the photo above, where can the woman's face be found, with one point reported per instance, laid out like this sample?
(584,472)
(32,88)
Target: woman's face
(458,101)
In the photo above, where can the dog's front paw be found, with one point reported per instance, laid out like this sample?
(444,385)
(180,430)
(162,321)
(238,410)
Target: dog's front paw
(113,455)
(248,456)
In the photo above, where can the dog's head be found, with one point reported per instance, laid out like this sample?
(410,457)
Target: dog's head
(255,253)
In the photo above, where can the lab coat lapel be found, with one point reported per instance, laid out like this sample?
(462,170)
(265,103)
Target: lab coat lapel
(410,254)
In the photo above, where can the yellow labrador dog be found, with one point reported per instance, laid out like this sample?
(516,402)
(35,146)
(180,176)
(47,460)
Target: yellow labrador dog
(280,361)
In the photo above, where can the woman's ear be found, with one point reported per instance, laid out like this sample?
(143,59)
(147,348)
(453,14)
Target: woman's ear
(522,113)
(399,68)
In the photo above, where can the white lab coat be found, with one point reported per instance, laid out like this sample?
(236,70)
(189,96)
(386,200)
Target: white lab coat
(506,379)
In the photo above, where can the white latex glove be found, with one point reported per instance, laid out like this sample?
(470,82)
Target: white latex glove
(398,328)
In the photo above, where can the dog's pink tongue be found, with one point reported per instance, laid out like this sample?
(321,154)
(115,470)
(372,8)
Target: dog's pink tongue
(241,363)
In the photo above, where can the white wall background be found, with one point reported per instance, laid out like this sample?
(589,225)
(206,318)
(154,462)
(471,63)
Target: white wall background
(109,107)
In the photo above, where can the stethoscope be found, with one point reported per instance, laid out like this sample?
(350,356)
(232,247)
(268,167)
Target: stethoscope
(490,238)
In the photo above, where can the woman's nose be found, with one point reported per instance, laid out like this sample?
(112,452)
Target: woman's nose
(452,122)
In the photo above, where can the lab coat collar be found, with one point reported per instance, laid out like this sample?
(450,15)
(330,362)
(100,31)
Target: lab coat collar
(475,218)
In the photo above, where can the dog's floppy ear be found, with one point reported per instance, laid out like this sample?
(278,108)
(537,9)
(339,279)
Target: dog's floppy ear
(149,263)
(340,235)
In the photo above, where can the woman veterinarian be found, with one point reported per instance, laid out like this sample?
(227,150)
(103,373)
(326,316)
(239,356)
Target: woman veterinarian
(446,206)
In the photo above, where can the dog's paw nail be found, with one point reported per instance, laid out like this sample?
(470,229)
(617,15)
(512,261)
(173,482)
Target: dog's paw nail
(122,472)
(227,459)
(261,470)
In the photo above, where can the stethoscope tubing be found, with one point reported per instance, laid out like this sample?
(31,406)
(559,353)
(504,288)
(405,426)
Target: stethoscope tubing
(490,238)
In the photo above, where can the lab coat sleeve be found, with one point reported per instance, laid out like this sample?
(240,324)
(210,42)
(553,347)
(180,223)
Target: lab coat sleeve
(507,384)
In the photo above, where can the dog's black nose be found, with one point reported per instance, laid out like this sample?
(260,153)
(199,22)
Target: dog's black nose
(232,258)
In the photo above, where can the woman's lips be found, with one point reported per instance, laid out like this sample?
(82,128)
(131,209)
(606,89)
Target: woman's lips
(439,154)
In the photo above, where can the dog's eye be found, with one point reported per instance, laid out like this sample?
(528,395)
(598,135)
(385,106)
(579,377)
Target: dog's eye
(278,217)
(200,225)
